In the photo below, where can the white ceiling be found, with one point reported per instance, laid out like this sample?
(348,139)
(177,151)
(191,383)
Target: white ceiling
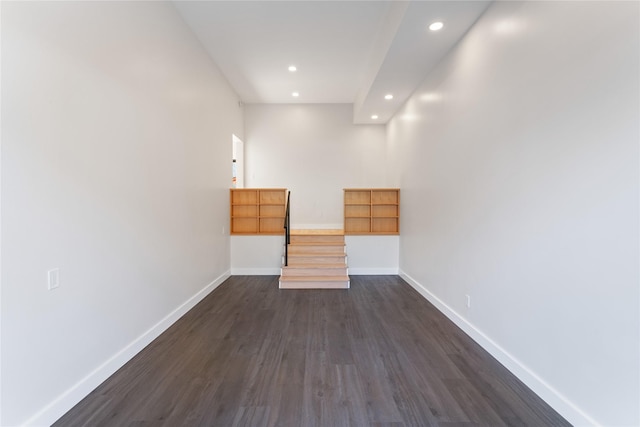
(346,51)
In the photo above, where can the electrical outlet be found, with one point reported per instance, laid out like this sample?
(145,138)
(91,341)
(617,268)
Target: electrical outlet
(53,278)
(468,300)
(223,230)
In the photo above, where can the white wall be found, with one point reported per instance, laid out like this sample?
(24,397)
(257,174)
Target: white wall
(256,255)
(315,151)
(116,156)
(372,254)
(520,188)
(262,255)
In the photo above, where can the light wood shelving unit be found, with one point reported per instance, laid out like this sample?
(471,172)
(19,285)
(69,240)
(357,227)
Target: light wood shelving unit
(258,210)
(372,211)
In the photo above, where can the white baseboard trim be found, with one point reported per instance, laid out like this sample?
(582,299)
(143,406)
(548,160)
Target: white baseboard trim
(364,271)
(255,271)
(67,400)
(550,395)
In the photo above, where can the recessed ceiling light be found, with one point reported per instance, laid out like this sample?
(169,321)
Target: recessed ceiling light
(292,68)
(374,117)
(388,96)
(436,26)
(295,94)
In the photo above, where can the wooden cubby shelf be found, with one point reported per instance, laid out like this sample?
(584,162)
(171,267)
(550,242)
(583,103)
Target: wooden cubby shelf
(371,211)
(258,210)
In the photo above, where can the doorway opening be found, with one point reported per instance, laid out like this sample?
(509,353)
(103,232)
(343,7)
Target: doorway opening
(237,168)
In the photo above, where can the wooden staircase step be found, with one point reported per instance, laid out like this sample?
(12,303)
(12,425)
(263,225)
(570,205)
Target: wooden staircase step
(323,243)
(318,238)
(315,232)
(316,278)
(313,271)
(314,282)
(320,265)
(306,259)
(317,249)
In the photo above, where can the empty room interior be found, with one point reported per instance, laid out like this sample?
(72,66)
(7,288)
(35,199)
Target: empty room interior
(477,164)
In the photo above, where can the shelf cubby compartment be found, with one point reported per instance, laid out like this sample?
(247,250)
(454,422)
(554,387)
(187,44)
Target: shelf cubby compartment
(272,197)
(244,225)
(357,225)
(271,225)
(272,211)
(384,226)
(384,197)
(244,197)
(357,211)
(357,197)
(384,211)
(244,210)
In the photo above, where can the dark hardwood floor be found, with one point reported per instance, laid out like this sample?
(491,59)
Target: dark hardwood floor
(250,354)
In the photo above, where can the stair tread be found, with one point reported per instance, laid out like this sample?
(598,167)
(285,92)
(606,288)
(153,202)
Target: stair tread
(296,263)
(317,232)
(316,254)
(325,252)
(314,247)
(314,278)
(317,244)
(315,285)
(318,265)
(315,273)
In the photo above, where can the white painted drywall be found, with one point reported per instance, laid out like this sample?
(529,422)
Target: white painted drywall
(372,254)
(315,151)
(520,184)
(116,152)
(1,103)
(256,255)
(262,255)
